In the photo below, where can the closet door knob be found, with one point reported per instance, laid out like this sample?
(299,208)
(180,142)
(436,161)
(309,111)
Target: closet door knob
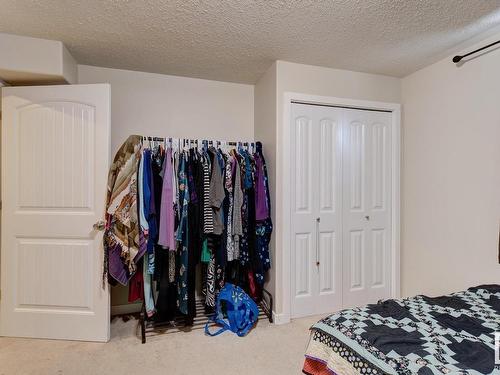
(367,217)
(100,225)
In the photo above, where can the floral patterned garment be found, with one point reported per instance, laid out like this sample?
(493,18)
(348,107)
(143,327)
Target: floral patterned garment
(121,237)
(182,236)
(247,177)
(229,222)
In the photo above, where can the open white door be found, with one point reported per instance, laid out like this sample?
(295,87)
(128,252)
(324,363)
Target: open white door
(55,159)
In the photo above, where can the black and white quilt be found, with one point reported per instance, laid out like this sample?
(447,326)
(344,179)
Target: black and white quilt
(452,334)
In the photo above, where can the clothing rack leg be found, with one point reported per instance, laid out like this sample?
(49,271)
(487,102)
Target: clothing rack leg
(143,323)
(267,306)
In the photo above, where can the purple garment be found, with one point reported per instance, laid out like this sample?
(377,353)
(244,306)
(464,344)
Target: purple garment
(193,198)
(142,247)
(117,269)
(261,207)
(167,215)
(234,160)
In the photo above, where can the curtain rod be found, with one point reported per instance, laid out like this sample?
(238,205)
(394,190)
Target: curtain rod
(458,58)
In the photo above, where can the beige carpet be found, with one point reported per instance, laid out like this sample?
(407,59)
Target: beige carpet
(268,349)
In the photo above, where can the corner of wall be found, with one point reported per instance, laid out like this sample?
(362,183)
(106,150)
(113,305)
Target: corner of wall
(69,66)
(265,107)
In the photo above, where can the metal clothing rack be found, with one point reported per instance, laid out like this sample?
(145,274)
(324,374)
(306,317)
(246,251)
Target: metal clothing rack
(154,328)
(151,328)
(182,142)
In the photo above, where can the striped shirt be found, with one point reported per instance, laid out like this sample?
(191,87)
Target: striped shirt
(208,220)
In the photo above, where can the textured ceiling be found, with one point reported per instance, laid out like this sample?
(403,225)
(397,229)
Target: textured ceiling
(238,40)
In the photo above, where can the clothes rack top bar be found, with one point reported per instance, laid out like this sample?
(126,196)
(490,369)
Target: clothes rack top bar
(197,141)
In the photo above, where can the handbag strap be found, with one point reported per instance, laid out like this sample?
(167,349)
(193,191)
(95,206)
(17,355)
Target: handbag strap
(217,320)
(224,328)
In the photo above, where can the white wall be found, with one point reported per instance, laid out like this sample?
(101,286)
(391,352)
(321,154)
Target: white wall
(314,80)
(451,149)
(451,175)
(162,105)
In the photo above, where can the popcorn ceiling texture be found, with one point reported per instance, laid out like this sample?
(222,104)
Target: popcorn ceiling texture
(238,40)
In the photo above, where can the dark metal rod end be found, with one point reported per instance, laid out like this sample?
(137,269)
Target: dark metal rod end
(457,58)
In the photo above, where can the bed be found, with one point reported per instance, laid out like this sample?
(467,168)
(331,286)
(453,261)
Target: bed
(452,334)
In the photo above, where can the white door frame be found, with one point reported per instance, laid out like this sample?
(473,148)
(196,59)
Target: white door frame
(395,108)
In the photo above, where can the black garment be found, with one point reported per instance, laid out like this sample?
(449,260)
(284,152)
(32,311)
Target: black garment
(252,243)
(156,169)
(194,243)
(256,264)
(166,304)
(215,246)
(196,206)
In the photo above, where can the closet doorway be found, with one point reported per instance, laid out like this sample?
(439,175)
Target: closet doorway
(343,205)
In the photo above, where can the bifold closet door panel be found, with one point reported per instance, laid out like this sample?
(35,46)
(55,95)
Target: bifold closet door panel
(366,206)
(315,191)
(55,161)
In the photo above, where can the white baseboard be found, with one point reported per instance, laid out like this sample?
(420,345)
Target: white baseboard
(281,318)
(130,308)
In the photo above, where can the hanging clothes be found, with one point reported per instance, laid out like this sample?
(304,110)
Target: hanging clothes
(202,210)
(183,235)
(217,193)
(237,224)
(264,226)
(136,286)
(166,302)
(194,233)
(167,213)
(121,237)
(151,163)
(228,182)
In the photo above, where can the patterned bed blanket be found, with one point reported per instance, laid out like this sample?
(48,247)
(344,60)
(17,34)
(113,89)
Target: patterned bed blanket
(452,334)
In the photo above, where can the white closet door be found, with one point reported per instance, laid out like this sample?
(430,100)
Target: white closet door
(55,159)
(316,204)
(367,207)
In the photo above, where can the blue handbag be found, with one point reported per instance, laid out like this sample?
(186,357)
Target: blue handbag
(241,311)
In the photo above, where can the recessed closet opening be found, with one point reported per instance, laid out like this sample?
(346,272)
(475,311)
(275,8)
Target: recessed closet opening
(341,205)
